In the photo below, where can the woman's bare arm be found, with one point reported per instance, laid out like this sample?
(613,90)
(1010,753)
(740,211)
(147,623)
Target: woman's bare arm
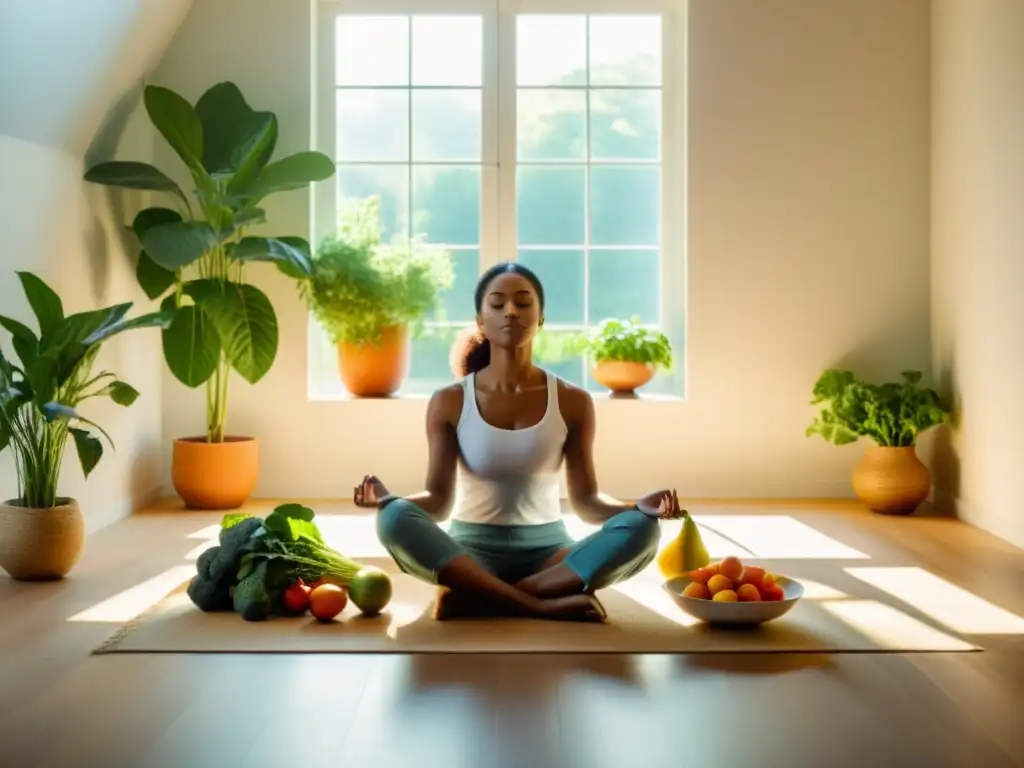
(442,445)
(584,497)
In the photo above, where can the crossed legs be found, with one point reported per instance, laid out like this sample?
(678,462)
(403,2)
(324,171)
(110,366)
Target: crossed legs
(562,586)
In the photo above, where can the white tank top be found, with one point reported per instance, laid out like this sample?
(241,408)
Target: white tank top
(509,476)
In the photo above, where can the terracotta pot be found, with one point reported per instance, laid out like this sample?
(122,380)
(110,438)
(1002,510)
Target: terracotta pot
(41,544)
(891,481)
(622,376)
(369,370)
(215,475)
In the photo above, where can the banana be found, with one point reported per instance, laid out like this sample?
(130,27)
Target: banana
(685,553)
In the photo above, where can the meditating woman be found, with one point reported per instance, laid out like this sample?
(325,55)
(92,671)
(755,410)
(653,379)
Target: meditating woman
(504,433)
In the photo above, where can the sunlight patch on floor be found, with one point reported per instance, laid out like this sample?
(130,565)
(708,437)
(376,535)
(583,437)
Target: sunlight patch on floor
(890,627)
(198,549)
(815,590)
(402,614)
(645,589)
(208,533)
(128,604)
(958,609)
(775,537)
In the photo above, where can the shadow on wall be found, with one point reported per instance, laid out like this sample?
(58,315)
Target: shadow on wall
(115,204)
(111,131)
(944,461)
(873,357)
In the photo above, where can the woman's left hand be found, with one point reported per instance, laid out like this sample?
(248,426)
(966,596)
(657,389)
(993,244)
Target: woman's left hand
(663,505)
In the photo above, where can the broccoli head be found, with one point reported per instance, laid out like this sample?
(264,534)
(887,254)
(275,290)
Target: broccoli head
(207,593)
(233,543)
(251,598)
(210,595)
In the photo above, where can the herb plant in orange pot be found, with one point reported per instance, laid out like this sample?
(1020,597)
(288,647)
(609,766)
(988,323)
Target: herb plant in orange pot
(195,259)
(370,297)
(625,354)
(890,478)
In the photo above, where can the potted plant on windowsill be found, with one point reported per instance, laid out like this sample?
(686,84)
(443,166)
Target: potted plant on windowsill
(223,323)
(370,297)
(890,478)
(625,355)
(42,535)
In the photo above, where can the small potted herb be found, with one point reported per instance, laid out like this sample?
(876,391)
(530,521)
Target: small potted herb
(42,535)
(371,296)
(890,478)
(625,355)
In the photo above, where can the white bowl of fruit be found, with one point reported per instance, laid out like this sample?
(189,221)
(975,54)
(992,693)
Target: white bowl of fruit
(730,592)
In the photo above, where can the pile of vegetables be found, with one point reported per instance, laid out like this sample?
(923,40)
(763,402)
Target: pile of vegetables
(280,566)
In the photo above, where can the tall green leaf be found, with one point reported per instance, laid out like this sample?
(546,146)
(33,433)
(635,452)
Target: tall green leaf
(121,393)
(274,250)
(42,376)
(89,447)
(177,122)
(152,278)
(152,320)
(45,303)
(148,218)
(191,346)
(247,326)
(292,172)
(18,329)
(76,328)
(23,339)
(291,268)
(177,244)
(249,216)
(237,139)
(130,174)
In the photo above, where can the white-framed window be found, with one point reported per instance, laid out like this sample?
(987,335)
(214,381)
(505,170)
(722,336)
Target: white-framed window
(543,131)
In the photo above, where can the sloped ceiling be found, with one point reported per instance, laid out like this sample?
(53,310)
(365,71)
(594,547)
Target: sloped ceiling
(65,65)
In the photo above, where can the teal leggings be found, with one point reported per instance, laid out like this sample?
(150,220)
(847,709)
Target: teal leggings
(623,547)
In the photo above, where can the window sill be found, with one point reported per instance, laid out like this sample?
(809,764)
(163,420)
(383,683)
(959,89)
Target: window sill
(332,397)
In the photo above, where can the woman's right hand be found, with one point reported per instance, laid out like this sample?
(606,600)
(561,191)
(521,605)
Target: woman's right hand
(370,493)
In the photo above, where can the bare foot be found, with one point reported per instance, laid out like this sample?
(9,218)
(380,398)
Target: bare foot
(574,608)
(450,604)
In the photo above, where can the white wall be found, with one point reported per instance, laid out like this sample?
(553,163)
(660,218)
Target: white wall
(978,256)
(68,94)
(809,151)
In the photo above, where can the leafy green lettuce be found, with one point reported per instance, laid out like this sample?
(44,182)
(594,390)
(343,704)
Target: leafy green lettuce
(891,414)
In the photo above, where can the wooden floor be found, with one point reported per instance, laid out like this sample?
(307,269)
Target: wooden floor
(59,706)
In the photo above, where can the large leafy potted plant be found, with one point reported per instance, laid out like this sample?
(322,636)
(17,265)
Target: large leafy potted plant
(625,355)
(371,296)
(42,534)
(194,259)
(890,478)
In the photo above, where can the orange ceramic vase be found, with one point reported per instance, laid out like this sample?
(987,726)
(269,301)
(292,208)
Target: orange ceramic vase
(891,481)
(369,370)
(215,475)
(622,377)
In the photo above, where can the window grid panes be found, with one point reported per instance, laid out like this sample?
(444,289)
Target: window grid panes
(409,117)
(409,121)
(588,176)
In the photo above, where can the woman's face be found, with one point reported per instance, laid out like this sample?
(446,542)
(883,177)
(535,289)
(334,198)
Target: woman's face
(510,314)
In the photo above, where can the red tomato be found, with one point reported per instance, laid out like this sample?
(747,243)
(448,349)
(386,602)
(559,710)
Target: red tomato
(296,597)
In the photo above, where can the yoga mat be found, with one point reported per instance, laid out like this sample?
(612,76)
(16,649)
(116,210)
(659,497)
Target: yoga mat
(642,619)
